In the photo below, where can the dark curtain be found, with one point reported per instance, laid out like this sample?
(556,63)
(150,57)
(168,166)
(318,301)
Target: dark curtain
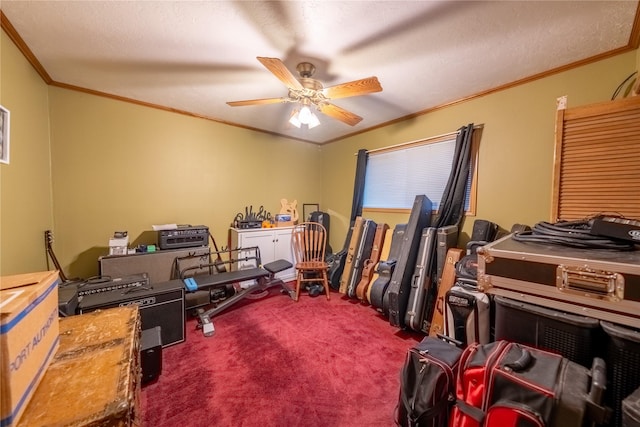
(358,186)
(451,208)
(358,194)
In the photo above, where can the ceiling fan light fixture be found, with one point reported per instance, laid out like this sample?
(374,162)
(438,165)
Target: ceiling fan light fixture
(305,115)
(313,121)
(295,119)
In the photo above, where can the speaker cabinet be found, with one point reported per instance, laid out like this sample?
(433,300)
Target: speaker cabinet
(161,304)
(151,354)
(160,265)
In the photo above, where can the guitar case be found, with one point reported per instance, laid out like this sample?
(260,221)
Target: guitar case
(400,285)
(484,230)
(370,263)
(447,238)
(363,252)
(324,219)
(336,262)
(384,255)
(421,282)
(434,324)
(351,252)
(378,288)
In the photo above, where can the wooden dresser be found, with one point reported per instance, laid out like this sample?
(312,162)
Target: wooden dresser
(94,379)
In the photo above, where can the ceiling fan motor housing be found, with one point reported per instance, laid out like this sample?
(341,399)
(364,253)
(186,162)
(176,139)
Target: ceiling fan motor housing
(306,69)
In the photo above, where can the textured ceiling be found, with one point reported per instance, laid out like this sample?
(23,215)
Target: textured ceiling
(194,56)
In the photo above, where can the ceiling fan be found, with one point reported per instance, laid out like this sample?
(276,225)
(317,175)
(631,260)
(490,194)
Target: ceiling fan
(308,92)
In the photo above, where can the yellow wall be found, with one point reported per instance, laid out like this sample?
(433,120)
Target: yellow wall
(516,150)
(25,183)
(121,166)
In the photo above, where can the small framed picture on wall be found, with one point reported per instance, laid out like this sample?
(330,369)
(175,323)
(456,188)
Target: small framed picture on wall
(4,135)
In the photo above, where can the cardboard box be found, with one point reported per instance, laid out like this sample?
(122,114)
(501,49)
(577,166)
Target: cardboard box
(118,246)
(29,338)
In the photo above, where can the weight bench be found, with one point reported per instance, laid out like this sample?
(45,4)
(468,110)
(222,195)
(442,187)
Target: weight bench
(264,279)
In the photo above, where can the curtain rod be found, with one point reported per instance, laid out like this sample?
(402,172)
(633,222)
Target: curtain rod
(415,141)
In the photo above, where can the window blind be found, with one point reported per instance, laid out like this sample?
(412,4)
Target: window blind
(395,177)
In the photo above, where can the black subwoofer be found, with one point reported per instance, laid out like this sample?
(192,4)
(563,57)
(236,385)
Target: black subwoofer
(151,354)
(161,304)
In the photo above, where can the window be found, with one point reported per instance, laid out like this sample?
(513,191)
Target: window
(395,175)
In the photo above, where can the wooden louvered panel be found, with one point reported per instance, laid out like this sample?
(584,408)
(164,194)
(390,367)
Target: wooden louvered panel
(597,161)
(600,123)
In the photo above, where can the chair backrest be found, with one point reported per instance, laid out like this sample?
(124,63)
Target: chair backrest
(309,241)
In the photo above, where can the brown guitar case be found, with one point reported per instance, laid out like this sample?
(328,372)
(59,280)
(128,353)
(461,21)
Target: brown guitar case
(369,264)
(363,252)
(448,279)
(384,254)
(351,252)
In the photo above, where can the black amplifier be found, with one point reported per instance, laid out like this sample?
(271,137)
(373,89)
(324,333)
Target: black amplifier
(106,284)
(248,224)
(160,304)
(183,237)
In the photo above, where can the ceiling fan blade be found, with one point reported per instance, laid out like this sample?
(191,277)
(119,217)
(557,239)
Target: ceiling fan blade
(256,102)
(354,88)
(338,113)
(278,69)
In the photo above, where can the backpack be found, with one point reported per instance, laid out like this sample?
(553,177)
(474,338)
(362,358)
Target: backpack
(504,384)
(427,381)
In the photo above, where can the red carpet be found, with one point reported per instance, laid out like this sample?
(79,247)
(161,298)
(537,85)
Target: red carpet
(275,362)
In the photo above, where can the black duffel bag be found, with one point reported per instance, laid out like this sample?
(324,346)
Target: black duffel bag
(427,384)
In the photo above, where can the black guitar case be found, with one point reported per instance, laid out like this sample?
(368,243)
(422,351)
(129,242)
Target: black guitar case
(324,219)
(422,280)
(336,262)
(356,233)
(385,269)
(400,285)
(363,252)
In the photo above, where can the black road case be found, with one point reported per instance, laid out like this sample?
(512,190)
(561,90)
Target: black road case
(599,283)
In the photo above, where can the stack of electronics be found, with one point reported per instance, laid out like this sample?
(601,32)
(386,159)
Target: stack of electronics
(161,311)
(186,236)
(251,219)
(559,296)
(467,316)
(160,300)
(573,288)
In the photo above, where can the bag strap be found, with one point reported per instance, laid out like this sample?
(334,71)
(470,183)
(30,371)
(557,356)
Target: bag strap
(498,348)
(475,413)
(523,361)
(439,407)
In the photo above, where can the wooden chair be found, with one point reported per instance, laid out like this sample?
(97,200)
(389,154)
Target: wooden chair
(308,243)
